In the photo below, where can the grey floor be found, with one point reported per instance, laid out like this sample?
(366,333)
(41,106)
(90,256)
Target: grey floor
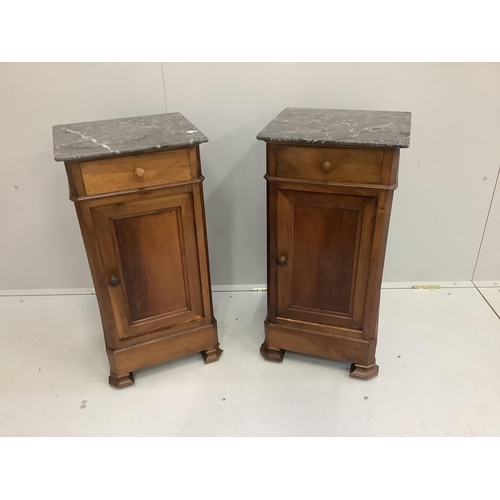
(438,351)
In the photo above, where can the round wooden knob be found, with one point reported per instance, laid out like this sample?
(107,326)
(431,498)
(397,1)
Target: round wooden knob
(139,172)
(114,281)
(282,261)
(326,165)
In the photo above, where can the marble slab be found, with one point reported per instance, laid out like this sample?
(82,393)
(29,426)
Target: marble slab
(343,127)
(100,139)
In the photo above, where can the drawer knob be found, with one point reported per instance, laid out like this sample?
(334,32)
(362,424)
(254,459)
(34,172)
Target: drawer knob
(139,172)
(282,261)
(114,281)
(326,165)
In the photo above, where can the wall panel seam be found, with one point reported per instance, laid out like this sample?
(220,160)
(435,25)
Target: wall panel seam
(485,224)
(163,84)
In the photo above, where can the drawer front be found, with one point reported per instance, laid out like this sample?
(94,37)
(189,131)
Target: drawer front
(136,171)
(363,166)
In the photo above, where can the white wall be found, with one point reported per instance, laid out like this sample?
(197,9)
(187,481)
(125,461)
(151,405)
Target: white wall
(40,241)
(446,177)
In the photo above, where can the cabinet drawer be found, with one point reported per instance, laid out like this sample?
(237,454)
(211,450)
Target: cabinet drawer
(136,171)
(362,166)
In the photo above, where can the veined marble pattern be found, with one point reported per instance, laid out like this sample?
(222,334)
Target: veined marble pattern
(99,139)
(389,129)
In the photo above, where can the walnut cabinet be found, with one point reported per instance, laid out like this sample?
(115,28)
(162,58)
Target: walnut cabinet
(328,210)
(143,225)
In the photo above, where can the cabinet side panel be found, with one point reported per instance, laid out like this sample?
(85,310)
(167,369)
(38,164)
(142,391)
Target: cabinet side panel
(271,232)
(377,265)
(75,180)
(390,167)
(203,254)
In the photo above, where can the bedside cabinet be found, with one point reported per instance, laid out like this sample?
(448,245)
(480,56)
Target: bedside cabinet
(137,187)
(330,177)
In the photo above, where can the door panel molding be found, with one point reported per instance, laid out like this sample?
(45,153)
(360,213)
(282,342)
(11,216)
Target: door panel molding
(333,212)
(183,254)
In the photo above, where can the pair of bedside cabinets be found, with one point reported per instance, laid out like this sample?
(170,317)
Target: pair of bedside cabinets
(137,188)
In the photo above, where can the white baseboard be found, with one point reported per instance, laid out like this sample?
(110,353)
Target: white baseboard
(47,291)
(259,287)
(487,284)
(387,285)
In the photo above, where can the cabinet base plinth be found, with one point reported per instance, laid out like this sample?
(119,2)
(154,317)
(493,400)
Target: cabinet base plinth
(271,354)
(359,352)
(213,355)
(203,339)
(121,381)
(362,371)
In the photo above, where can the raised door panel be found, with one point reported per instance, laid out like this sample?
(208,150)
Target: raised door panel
(151,263)
(150,245)
(324,243)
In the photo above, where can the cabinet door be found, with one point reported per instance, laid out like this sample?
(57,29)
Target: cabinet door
(324,244)
(150,245)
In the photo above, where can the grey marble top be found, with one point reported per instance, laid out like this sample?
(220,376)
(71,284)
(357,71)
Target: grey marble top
(83,141)
(389,129)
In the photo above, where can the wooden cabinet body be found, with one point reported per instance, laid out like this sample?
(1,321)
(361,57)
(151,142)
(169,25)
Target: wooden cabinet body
(143,224)
(328,210)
